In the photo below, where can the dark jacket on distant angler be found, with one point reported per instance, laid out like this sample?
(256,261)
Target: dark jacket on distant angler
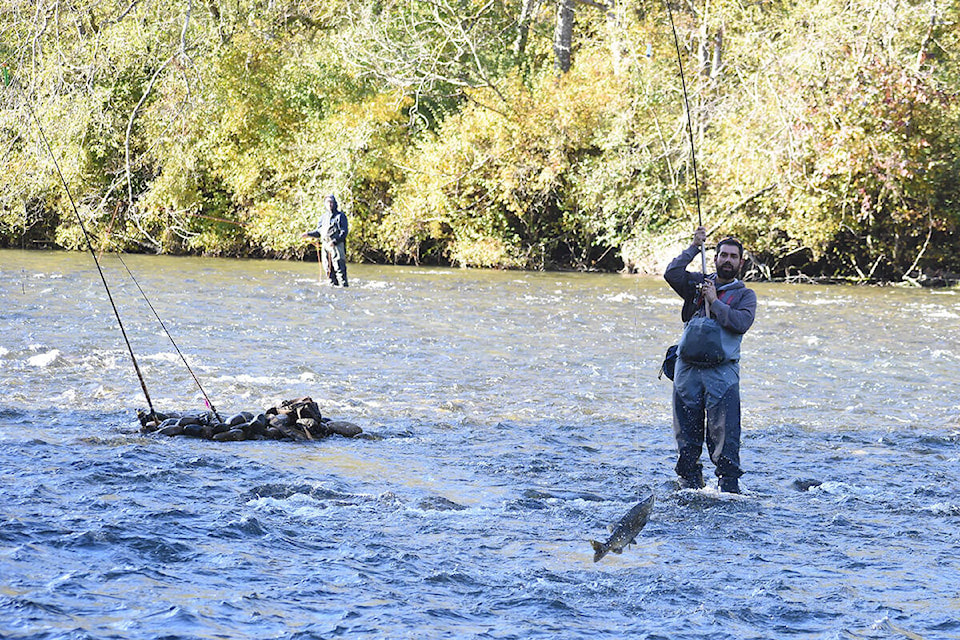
(332,232)
(333,224)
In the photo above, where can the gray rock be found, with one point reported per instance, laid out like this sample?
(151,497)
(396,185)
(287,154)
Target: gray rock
(343,428)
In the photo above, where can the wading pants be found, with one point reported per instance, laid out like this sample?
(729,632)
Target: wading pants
(706,405)
(335,262)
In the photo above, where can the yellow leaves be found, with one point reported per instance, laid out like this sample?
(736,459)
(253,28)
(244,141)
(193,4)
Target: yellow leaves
(488,183)
(387,107)
(825,108)
(483,251)
(269,226)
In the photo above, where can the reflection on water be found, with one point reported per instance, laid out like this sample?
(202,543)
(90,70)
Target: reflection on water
(519,413)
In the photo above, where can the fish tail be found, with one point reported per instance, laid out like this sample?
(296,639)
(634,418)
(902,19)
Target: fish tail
(599,550)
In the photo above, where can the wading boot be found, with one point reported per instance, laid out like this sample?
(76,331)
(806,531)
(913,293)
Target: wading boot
(691,482)
(729,485)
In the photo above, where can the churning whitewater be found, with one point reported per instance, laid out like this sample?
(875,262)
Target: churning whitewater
(509,418)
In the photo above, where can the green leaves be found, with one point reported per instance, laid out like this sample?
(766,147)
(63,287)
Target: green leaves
(825,130)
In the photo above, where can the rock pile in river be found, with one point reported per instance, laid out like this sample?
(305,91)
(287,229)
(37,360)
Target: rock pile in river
(297,419)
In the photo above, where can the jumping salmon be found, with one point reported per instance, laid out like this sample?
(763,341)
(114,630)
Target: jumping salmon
(625,530)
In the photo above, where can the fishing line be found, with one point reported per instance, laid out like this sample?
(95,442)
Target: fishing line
(86,236)
(172,341)
(693,151)
(156,315)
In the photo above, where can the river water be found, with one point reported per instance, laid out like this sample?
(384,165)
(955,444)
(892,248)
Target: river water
(512,416)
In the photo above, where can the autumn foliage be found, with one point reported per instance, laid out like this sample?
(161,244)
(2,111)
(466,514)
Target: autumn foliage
(825,132)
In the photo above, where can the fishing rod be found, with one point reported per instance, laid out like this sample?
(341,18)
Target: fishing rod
(8,81)
(693,152)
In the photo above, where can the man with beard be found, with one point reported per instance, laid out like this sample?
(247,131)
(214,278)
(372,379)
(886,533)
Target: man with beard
(706,394)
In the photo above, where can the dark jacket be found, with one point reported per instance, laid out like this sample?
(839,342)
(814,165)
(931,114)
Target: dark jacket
(333,226)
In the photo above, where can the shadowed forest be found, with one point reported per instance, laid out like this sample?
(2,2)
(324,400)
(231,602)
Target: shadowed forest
(527,134)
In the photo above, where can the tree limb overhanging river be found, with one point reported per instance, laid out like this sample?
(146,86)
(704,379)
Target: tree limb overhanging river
(517,414)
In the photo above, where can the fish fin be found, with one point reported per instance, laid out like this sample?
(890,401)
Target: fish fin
(599,550)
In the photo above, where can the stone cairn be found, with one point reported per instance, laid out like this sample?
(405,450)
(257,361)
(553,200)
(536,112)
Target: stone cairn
(297,419)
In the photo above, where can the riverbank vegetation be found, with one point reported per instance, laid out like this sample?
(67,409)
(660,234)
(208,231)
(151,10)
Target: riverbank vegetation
(523,134)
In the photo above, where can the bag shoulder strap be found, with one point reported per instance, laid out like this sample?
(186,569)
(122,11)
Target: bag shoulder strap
(720,295)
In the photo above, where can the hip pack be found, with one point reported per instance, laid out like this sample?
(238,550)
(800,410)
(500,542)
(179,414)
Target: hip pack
(702,341)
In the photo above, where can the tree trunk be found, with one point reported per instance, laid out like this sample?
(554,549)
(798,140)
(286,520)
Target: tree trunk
(717,54)
(563,36)
(523,26)
(614,29)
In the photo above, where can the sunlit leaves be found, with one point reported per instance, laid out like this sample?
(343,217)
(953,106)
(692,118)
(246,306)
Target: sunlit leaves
(825,130)
(841,145)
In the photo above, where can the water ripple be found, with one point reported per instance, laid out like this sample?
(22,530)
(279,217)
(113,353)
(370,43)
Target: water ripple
(514,416)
